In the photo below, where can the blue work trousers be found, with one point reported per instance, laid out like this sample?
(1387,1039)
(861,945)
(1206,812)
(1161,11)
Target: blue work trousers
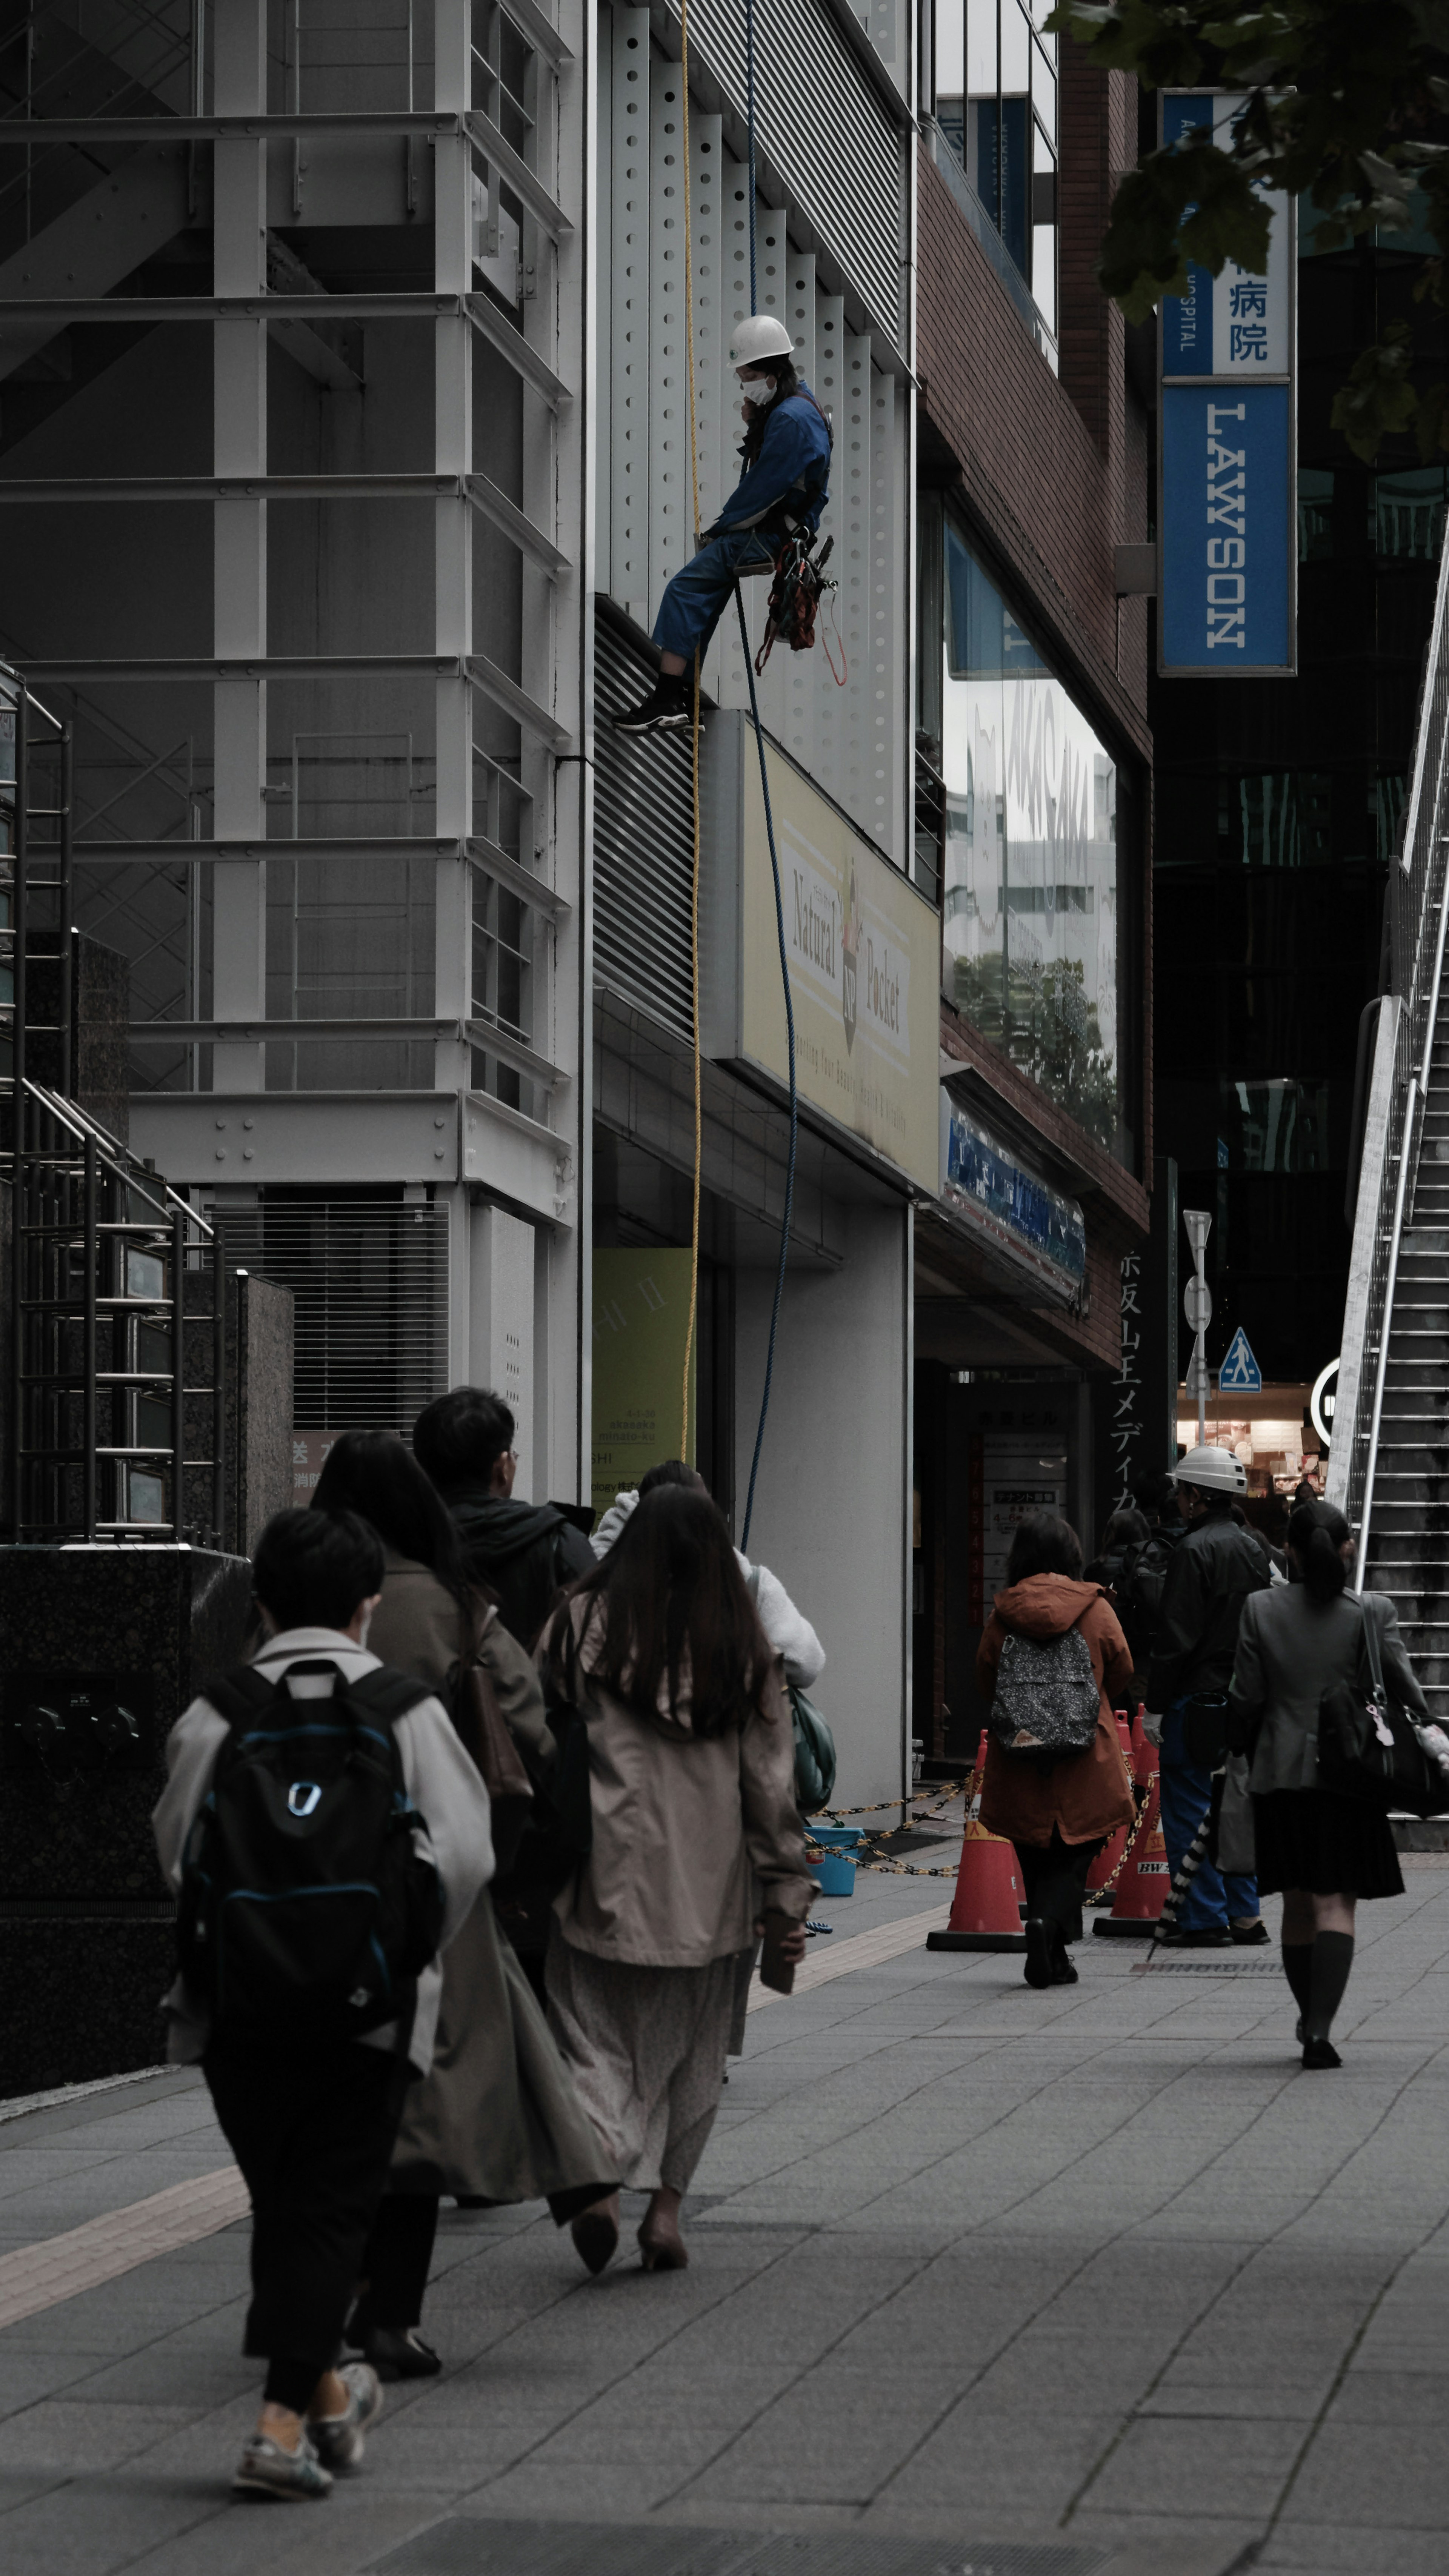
(1213,1900)
(691,607)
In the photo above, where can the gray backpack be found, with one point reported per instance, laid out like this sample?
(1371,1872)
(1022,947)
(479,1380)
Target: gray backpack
(1047,1699)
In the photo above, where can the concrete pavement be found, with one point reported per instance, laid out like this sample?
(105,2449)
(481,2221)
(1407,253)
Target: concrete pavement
(1040,2285)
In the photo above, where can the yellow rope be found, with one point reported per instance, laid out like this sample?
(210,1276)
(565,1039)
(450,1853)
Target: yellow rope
(694,738)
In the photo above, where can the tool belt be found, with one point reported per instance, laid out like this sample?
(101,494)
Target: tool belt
(795,594)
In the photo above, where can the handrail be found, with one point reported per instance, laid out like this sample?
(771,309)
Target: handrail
(114,1156)
(1419,921)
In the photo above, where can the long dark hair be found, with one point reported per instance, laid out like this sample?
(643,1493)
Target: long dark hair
(1316,1534)
(1043,1543)
(787,382)
(669,1596)
(376,1475)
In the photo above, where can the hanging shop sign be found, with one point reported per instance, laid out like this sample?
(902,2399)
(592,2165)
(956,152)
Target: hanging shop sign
(1227,455)
(862,947)
(986,1192)
(641,1325)
(1322,1402)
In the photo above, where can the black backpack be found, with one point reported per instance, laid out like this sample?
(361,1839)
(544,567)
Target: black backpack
(306,1914)
(1140,1582)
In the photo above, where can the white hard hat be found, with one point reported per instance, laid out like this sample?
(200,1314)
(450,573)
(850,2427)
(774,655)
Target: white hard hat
(1214,1470)
(762,336)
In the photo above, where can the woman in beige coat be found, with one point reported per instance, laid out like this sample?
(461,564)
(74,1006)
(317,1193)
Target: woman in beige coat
(695,1838)
(497,2119)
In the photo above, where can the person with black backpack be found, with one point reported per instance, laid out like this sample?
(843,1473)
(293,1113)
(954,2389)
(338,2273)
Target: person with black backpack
(1051,1665)
(327,1835)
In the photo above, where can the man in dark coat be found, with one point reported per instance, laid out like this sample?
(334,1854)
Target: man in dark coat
(524,1552)
(1216,1563)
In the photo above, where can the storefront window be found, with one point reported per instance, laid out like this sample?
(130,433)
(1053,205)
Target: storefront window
(1031,885)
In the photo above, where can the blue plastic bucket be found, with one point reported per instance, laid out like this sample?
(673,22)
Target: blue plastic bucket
(834,1874)
(839,1838)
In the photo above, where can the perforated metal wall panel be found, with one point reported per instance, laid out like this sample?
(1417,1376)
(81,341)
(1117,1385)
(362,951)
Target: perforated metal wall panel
(643,847)
(826,132)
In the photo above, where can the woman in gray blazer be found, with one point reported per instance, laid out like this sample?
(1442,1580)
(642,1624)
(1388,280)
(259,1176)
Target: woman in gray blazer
(1322,1851)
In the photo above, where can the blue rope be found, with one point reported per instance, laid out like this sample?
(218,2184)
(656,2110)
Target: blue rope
(750,113)
(790,1033)
(774,862)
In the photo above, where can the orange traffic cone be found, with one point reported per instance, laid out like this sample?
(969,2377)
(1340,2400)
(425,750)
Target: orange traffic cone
(1142,1887)
(1108,1858)
(986,1908)
(1144,1753)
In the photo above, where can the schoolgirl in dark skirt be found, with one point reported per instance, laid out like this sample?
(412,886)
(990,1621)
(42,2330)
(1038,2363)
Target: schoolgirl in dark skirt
(1322,1852)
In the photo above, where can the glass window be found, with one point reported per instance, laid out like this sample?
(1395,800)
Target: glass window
(1408,520)
(1315,514)
(1273,1126)
(996,106)
(1030,860)
(1282,818)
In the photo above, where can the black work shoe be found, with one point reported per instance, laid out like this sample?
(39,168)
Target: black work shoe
(1250,1936)
(399,2352)
(665,710)
(1209,1938)
(1040,1950)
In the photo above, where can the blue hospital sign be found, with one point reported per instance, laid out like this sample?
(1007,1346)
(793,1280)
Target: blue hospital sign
(1239,324)
(1227,526)
(1227,578)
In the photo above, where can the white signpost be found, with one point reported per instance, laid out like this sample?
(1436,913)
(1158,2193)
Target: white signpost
(1197,1305)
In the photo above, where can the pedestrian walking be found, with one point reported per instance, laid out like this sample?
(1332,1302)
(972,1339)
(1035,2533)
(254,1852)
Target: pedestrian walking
(1051,1664)
(1323,1851)
(697,1848)
(327,1836)
(1215,1567)
(789,1631)
(1125,1542)
(496,2119)
(523,1554)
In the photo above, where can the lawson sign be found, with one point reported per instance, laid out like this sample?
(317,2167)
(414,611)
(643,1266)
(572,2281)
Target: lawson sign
(1229,529)
(1227,450)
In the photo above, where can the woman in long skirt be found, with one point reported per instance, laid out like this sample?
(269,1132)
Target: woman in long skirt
(696,1843)
(1323,1851)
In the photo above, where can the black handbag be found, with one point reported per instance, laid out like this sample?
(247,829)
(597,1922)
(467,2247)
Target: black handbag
(1369,1748)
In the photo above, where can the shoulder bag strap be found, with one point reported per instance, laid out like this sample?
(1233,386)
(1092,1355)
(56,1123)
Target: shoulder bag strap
(1371,1648)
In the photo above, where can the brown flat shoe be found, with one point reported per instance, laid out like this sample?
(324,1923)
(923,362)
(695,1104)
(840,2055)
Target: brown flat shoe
(662,2249)
(596,2236)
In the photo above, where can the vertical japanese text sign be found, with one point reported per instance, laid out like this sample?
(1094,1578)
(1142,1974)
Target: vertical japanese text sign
(1227,450)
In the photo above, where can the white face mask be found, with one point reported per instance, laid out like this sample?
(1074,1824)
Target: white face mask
(758,390)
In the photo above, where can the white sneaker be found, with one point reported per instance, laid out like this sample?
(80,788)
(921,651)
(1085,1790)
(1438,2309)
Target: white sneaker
(267,2469)
(342,2439)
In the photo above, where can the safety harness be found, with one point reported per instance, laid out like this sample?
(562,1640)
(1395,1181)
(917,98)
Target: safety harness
(794,601)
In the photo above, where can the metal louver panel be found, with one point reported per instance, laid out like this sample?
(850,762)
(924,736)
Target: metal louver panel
(370,1279)
(829,136)
(643,847)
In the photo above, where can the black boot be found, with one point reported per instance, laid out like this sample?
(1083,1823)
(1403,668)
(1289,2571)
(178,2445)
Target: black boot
(665,710)
(1039,1949)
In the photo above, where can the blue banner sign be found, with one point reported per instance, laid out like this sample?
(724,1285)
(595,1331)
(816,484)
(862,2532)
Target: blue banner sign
(980,1181)
(1227,441)
(1238,324)
(1228,528)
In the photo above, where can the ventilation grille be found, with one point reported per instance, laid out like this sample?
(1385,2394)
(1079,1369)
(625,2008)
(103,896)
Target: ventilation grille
(643,847)
(370,1281)
(824,129)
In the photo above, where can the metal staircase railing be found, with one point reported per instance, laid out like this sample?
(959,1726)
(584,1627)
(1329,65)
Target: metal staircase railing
(1419,915)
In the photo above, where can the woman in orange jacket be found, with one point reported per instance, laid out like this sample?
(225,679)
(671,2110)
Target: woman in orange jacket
(1058,1812)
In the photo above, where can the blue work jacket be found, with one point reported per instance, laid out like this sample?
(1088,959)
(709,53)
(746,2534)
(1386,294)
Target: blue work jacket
(793,466)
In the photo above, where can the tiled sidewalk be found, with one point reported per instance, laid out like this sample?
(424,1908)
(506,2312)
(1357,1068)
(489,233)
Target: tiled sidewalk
(1096,2274)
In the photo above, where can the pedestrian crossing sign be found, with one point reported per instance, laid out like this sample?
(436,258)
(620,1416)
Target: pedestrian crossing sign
(1240,1373)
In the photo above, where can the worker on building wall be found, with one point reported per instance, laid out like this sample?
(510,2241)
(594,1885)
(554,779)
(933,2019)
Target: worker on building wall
(784,488)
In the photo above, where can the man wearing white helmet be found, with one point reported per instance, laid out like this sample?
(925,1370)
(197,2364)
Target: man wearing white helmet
(784,488)
(1216,1564)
